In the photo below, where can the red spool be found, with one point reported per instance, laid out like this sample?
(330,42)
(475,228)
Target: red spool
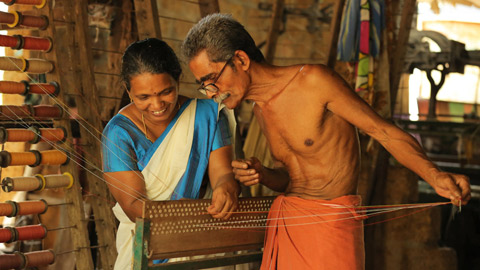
(34,21)
(23,2)
(44,88)
(39,258)
(8,87)
(13,42)
(37,44)
(7,18)
(31,232)
(31,207)
(53,157)
(6,235)
(7,209)
(13,112)
(16,135)
(53,134)
(12,261)
(47,111)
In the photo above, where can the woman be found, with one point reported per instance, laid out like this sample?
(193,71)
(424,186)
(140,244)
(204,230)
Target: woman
(160,146)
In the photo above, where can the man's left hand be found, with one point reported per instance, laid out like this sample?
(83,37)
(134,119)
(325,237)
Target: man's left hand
(455,187)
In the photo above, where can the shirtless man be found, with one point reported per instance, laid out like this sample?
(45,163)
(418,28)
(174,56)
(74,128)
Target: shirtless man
(309,117)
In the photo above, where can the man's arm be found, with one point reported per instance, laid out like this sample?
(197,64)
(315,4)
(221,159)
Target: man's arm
(250,172)
(342,101)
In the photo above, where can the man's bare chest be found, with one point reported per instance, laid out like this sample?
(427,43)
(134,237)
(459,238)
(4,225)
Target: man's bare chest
(293,133)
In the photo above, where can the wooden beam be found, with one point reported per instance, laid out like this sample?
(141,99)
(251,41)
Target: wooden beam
(73,196)
(105,224)
(208,7)
(398,60)
(274,31)
(148,22)
(334,33)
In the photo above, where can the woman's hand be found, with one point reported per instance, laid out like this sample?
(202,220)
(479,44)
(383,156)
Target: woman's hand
(224,199)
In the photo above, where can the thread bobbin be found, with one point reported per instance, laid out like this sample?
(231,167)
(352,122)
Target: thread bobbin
(14,234)
(21,232)
(5,159)
(20,42)
(27,87)
(57,88)
(64,134)
(3,135)
(8,184)
(36,131)
(14,208)
(42,179)
(38,158)
(10,3)
(47,23)
(17,18)
(23,258)
(22,207)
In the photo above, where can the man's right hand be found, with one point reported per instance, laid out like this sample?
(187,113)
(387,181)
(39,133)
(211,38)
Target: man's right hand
(248,171)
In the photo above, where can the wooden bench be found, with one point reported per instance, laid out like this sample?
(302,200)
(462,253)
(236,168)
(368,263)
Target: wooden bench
(171,229)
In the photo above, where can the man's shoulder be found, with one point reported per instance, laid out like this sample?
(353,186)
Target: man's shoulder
(318,70)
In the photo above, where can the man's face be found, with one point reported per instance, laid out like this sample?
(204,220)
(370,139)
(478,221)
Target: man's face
(217,80)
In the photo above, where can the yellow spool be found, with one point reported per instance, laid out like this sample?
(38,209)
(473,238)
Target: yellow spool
(24,64)
(71,179)
(16,15)
(41,5)
(43,181)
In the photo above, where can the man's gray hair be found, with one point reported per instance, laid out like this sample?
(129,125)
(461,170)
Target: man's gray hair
(220,35)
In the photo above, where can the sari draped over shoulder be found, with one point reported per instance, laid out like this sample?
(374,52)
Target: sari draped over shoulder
(173,166)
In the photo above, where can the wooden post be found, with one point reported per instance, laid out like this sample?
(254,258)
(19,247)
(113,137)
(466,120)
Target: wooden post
(73,196)
(104,220)
(208,7)
(146,16)
(398,60)
(334,33)
(277,13)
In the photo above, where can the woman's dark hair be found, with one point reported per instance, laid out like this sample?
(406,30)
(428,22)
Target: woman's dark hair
(151,55)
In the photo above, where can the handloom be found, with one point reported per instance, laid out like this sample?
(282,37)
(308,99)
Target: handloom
(183,228)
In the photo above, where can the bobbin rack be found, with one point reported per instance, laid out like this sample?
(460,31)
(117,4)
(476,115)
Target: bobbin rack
(50,44)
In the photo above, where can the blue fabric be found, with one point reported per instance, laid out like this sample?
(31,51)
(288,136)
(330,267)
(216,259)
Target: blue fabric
(349,39)
(124,143)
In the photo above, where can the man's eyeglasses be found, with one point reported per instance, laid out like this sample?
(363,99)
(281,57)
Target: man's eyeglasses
(211,87)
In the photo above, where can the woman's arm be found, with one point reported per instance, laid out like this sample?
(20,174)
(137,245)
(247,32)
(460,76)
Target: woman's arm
(225,188)
(128,188)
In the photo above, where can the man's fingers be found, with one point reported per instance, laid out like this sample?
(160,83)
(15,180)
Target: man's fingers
(455,192)
(464,184)
(239,164)
(240,172)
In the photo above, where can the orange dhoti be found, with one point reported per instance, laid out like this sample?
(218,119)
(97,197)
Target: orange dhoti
(314,234)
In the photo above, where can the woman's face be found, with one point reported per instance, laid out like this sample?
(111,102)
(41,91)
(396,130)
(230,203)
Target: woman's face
(155,96)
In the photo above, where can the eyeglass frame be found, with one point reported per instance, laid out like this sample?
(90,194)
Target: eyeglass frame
(203,88)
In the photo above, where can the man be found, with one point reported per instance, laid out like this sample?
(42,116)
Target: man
(308,115)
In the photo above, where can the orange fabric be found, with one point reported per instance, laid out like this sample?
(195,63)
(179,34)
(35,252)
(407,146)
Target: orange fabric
(314,234)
